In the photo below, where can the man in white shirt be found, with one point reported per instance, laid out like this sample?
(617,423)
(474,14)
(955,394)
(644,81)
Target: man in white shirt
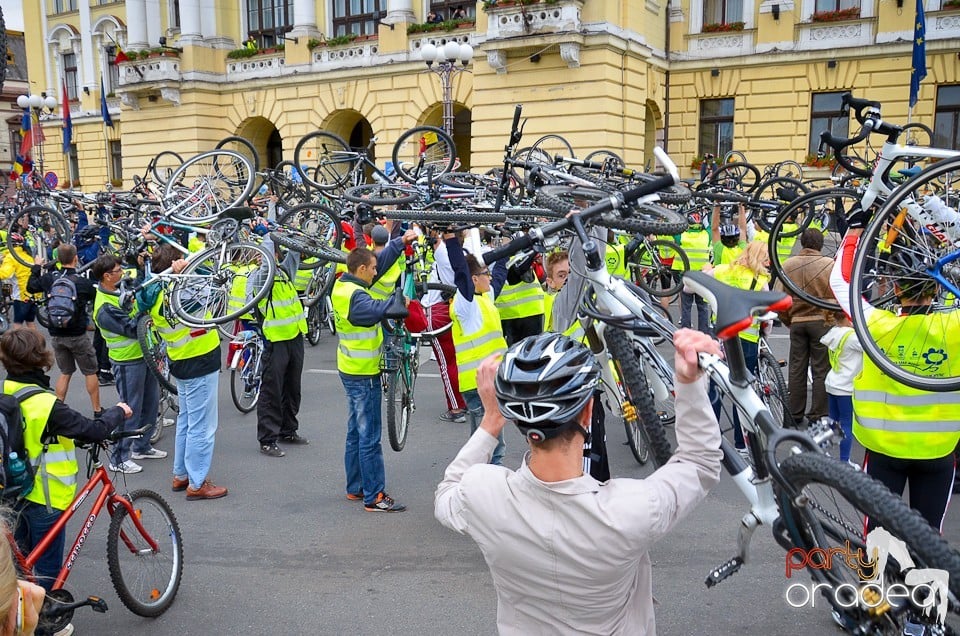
(568,554)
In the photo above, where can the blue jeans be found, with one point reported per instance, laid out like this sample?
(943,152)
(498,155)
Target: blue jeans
(32,523)
(751,352)
(474,414)
(363,454)
(841,410)
(686,312)
(141,391)
(196,428)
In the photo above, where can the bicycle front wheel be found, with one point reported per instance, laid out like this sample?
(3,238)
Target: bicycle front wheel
(828,509)
(155,353)
(146,579)
(424,151)
(399,408)
(206,185)
(658,268)
(324,160)
(245,378)
(772,388)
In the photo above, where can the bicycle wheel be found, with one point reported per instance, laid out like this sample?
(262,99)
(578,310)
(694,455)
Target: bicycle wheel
(245,377)
(640,417)
(314,326)
(916,134)
(904,257)
(308,246)
(324,160)
(146,579)
(200,294)
(242,146)
(39,226)
(772,388)
(648,218)
(825,209)
(607,157)
(790,169)
(381,194)
(155,353)
(552,146)
(400,406)
(734,156)
(206,185)
(771,197)
(740,176)
(658,267)
(164,164)
(316,220)
(424,151)
(828,510)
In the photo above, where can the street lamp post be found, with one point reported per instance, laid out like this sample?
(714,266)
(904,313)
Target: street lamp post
(446,58)
(38,103)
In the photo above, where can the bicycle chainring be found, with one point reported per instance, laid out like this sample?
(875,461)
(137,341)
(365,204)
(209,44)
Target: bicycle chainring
(52,620)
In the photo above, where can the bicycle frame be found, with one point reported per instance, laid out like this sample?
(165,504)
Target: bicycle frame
(107,497)
(879,186)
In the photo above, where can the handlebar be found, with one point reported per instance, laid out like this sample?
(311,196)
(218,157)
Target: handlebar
(615,201)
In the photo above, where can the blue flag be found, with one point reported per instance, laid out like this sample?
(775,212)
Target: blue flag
(919,54)
(67,122)
(104,111)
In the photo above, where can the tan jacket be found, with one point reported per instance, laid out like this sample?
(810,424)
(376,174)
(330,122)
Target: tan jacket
(810,270)
(571,557)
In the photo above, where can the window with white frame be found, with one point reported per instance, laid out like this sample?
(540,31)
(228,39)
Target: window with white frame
(69,65)
(62,6)
(356,16)
(722,11)
(716,126)
(116,159)
(268,20)
(835,5)
(826,113)
(946,121)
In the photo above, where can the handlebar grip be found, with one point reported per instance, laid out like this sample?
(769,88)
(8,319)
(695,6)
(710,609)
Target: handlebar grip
(516,117)
(514,246)
(859,105)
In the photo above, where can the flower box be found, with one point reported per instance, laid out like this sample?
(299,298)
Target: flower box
(853,13)
(720,27)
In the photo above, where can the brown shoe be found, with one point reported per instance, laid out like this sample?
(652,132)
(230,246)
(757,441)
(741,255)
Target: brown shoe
(180,485)
(207,491)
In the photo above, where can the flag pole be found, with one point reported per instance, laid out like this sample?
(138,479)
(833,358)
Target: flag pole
(106,154)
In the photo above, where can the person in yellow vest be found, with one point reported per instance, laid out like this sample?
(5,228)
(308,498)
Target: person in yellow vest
(477,330)
(195,365)
(358,316)
(748,271)
(557,269)
(390,260)
(24,308)
(909,435)
(520,302)
(136,385)
(695,241)
(283,323)
(726,239)
(24,355)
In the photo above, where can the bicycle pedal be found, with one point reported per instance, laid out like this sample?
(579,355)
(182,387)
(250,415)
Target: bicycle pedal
(723,571)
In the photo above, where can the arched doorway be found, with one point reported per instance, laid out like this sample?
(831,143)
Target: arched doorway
(265,138)
(352,127)
(652,133)
(462,125)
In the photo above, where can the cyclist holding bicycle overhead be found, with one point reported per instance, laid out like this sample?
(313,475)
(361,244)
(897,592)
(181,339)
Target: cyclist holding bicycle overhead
(909,434)
(50,428)
(569,554)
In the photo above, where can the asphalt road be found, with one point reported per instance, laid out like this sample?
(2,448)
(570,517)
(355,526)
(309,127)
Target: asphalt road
(286,553)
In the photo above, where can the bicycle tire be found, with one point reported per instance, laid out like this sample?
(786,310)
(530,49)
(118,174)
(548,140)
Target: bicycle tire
(314,325)
(875,277)
(155,353)
(552,145)
(468,180)
(772,388)
(734,156)
(443,216)
(315,219)
(608,157)
(739,175)
(207,184)
(916,134)
(325,169)
(399,408)
(168,557)
(652,281)
(197,301)
(676,194)
(244,147)
(647,430)
(815,522)
(41,218)
(648,218)
(789,169)
(304,245)
(164,164)
(381,194)
(831,204)
(780,191)
(433,158)
(320,284)
(238,380)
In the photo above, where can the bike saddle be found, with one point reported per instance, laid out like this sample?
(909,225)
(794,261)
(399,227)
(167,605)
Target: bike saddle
(734,308)
(238,214)
(396,310)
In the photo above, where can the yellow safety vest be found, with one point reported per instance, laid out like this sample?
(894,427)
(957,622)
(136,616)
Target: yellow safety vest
(472,348)
(897,420)
(548,298)
(728,254)
(283,315)
(238,289)
(60,460)
(616,263)
(696,244)
(742,278)
(183,342)
(121,348)
(358,351)
(762,237)
(520,300)
(302,280)
(384,286)
(785,244)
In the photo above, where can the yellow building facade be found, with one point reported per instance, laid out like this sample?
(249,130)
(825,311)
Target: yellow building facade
(622,75)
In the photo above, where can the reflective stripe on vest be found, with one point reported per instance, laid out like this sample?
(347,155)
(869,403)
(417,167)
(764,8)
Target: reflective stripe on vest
(358,351)
(238,289)
(897,420)
(742,278)
(697,247)
(384,286)
(183,342)
(471,349)
(834,354)
(302,280)
(785,244)
(120,348)
(520,300)
(59,469)
(283,314)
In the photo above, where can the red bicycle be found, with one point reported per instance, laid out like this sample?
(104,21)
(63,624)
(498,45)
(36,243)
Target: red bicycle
(144,547)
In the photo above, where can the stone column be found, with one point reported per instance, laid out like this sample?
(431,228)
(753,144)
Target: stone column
(190,33)
(304,19)
(400,11)
(136,24)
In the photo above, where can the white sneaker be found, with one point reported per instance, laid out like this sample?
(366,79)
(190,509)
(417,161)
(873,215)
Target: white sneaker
(153,453)
(66,631)
(167,421)
(127,468)
(854,464)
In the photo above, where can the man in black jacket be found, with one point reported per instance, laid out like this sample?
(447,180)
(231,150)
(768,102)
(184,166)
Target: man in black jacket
(72,346)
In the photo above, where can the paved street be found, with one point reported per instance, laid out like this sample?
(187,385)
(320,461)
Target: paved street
(285,553)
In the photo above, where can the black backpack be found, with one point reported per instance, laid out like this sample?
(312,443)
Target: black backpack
(62,302)
(12,441)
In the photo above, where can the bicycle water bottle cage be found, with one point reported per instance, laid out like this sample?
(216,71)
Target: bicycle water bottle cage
(396,310)
(734,308)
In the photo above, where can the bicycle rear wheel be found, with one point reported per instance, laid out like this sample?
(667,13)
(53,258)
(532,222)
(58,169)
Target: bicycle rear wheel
(146,579)
(316,220)
(324,160)
(400,406)
(828,509)
(772,388)
(155,353)
(206,185)
(314,325)
(245,378)
(39,226)
(424,151)
(658,268)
